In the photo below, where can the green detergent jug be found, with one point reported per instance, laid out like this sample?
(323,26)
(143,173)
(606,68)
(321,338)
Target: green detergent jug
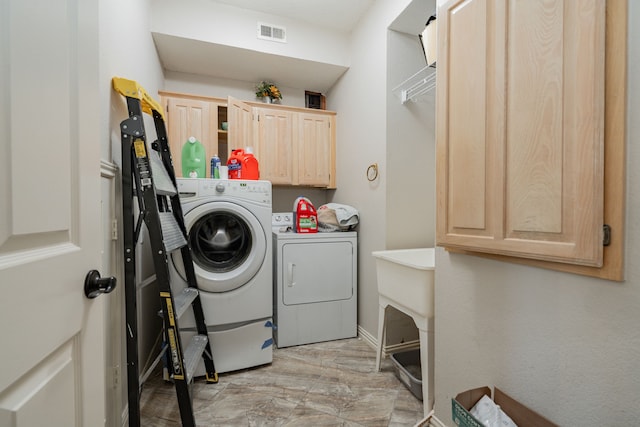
(194,164)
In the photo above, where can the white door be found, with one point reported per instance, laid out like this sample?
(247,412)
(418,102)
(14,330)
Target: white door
(52,344)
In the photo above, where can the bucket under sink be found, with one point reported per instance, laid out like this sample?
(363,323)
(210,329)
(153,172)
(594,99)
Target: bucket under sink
(406,277)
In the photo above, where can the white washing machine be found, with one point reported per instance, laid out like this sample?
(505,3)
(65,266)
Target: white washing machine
(314,284)
(228,224)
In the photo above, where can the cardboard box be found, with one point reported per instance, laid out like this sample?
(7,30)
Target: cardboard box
(520,414)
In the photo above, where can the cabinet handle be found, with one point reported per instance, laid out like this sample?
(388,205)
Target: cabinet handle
(290,281)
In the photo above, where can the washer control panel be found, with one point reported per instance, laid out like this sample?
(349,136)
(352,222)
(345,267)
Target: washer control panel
(259,191)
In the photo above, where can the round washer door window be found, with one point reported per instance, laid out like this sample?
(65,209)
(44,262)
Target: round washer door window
(228,245)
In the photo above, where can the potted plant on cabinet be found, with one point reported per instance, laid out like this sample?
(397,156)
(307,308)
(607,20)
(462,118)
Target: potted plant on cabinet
(268,91)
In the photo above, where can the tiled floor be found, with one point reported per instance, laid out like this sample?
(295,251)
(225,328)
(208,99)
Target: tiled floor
(324,384)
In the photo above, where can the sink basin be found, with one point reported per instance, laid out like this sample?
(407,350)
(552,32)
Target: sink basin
(406,282)
(406,277)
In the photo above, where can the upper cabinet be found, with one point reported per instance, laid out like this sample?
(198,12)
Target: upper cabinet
(316,153)
(294,146)
(275,146)
(240,116)
(189,117)
(200,117)
(521,128)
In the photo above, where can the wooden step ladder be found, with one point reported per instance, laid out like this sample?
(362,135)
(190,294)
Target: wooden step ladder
(149,177)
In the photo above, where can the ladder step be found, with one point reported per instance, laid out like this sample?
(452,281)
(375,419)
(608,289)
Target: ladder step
(164,185)
(193,354)
(183,300)
(171,231)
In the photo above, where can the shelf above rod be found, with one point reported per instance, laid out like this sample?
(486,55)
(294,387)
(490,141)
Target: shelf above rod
(418,84)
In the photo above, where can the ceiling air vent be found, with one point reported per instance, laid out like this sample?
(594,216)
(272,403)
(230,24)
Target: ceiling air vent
(271,32)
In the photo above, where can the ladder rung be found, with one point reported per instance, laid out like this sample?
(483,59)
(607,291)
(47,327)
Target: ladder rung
(163,184)
(193,354)
(171,231)
(184,299)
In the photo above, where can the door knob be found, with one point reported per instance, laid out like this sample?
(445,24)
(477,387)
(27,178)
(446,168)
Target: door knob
(94,285)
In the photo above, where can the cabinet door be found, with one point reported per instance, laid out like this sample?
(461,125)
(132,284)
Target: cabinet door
(520,126)
(274,146)
(314,149)
(240,118)
(186,118)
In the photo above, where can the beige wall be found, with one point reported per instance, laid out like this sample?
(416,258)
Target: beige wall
(410,148)
(360,98)
(126,50)
(565,345)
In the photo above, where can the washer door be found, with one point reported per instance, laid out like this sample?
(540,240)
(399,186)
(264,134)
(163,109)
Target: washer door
(228,245)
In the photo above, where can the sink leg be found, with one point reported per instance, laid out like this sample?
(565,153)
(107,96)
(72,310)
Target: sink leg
(382,332)
(426,365)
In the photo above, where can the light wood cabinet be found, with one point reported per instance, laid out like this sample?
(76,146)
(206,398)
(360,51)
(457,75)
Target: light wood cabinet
(275,146)
(294,146)
(189,117)
(520,128)
(314,149)
(241,117)
(199,117)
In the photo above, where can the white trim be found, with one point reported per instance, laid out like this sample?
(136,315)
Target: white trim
(108,169)
(367,337)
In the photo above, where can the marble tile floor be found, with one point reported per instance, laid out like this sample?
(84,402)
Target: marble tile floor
(324,384)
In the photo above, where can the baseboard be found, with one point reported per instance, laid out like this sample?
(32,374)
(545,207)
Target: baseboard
(387,349)
(367,337)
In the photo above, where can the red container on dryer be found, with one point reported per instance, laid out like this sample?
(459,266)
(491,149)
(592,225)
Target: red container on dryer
(305,217)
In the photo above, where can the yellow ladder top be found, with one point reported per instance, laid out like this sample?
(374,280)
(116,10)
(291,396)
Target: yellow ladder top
(131,89)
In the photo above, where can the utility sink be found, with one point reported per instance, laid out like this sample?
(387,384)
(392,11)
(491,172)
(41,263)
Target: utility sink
(406,277)
(406,281)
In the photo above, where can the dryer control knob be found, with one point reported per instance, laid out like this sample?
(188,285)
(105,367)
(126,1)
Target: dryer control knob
(220,188)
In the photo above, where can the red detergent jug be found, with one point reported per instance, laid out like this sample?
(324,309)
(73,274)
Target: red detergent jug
(243,165)
(250,167)
(235,164)
(305,217)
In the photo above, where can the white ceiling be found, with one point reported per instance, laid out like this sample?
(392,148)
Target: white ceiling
(204,58)
(342,15)
(228,62)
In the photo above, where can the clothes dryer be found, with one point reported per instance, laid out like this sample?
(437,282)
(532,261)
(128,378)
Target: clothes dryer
(229,225)
(314,284)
